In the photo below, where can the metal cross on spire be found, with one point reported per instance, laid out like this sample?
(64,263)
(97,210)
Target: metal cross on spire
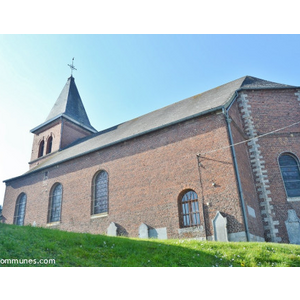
(72,67)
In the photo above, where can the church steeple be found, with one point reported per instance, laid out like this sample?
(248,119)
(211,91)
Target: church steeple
(66,123)
(69,105)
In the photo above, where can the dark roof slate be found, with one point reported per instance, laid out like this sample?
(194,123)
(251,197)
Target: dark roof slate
(200,104)
(69,105)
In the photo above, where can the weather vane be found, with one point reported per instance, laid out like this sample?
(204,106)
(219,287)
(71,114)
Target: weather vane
(72,67)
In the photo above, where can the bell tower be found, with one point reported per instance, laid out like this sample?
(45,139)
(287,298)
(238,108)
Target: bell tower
(66,123)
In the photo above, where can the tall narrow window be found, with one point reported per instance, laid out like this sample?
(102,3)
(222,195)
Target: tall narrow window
(189,209)
(54,210)
(20,210)
(100,193)
(289,168)
(49,145)
(41,148)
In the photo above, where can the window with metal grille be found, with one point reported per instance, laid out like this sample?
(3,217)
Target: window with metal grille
(20,210)
(189,209)
(100,193)
(289,168)
(55,201)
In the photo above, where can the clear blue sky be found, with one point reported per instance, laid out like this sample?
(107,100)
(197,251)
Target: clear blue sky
(120,77)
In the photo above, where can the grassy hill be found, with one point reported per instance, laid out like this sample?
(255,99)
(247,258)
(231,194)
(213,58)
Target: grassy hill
(32,246)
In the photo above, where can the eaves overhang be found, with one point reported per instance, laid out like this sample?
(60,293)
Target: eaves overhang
(34,130)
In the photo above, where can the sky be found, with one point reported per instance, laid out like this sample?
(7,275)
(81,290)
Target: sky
(123,76)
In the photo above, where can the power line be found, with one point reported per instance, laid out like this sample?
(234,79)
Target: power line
(248,140)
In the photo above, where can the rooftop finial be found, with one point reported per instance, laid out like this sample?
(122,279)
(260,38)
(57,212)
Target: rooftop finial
(72,67)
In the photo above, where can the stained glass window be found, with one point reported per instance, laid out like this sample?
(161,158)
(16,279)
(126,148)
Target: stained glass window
(20,210)
(289,168)
(100,193)
(55,201)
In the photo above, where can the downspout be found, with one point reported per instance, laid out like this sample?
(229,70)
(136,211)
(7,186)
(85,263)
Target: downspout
(202,194)
(236,169)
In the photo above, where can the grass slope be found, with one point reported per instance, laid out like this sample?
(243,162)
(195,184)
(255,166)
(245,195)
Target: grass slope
(80,249)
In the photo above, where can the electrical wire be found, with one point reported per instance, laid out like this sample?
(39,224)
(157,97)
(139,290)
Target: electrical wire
(248,140)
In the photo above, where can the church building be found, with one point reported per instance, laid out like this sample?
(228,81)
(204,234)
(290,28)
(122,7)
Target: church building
(221,165)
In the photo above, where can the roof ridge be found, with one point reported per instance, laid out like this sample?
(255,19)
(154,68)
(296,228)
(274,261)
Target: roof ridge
(251,82)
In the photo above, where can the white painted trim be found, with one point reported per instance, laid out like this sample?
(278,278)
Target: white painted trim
(53,224)
(102,215)
(291,199)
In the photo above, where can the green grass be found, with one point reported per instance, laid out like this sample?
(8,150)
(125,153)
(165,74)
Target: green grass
(80,249)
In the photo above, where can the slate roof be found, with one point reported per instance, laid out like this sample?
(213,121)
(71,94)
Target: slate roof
(197,105)
(70,106)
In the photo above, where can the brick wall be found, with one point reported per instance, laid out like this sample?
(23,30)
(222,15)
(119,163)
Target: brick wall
(265,111)
(146,177)
(72,133)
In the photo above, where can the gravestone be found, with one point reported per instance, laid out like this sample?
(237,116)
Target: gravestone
(112,229)
(220,228)
(251,211)
(158,233)
(292,225)
(143,231)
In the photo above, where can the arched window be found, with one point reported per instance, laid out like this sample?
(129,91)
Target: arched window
(289,168)
(41,148)
(20,210)
(49,145)
(55,200)
(189,209)
(100,193)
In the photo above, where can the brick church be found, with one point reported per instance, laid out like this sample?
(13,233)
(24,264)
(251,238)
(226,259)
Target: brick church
(221,165)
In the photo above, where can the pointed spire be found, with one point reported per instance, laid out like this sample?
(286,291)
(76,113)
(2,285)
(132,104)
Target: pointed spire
(70,106)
